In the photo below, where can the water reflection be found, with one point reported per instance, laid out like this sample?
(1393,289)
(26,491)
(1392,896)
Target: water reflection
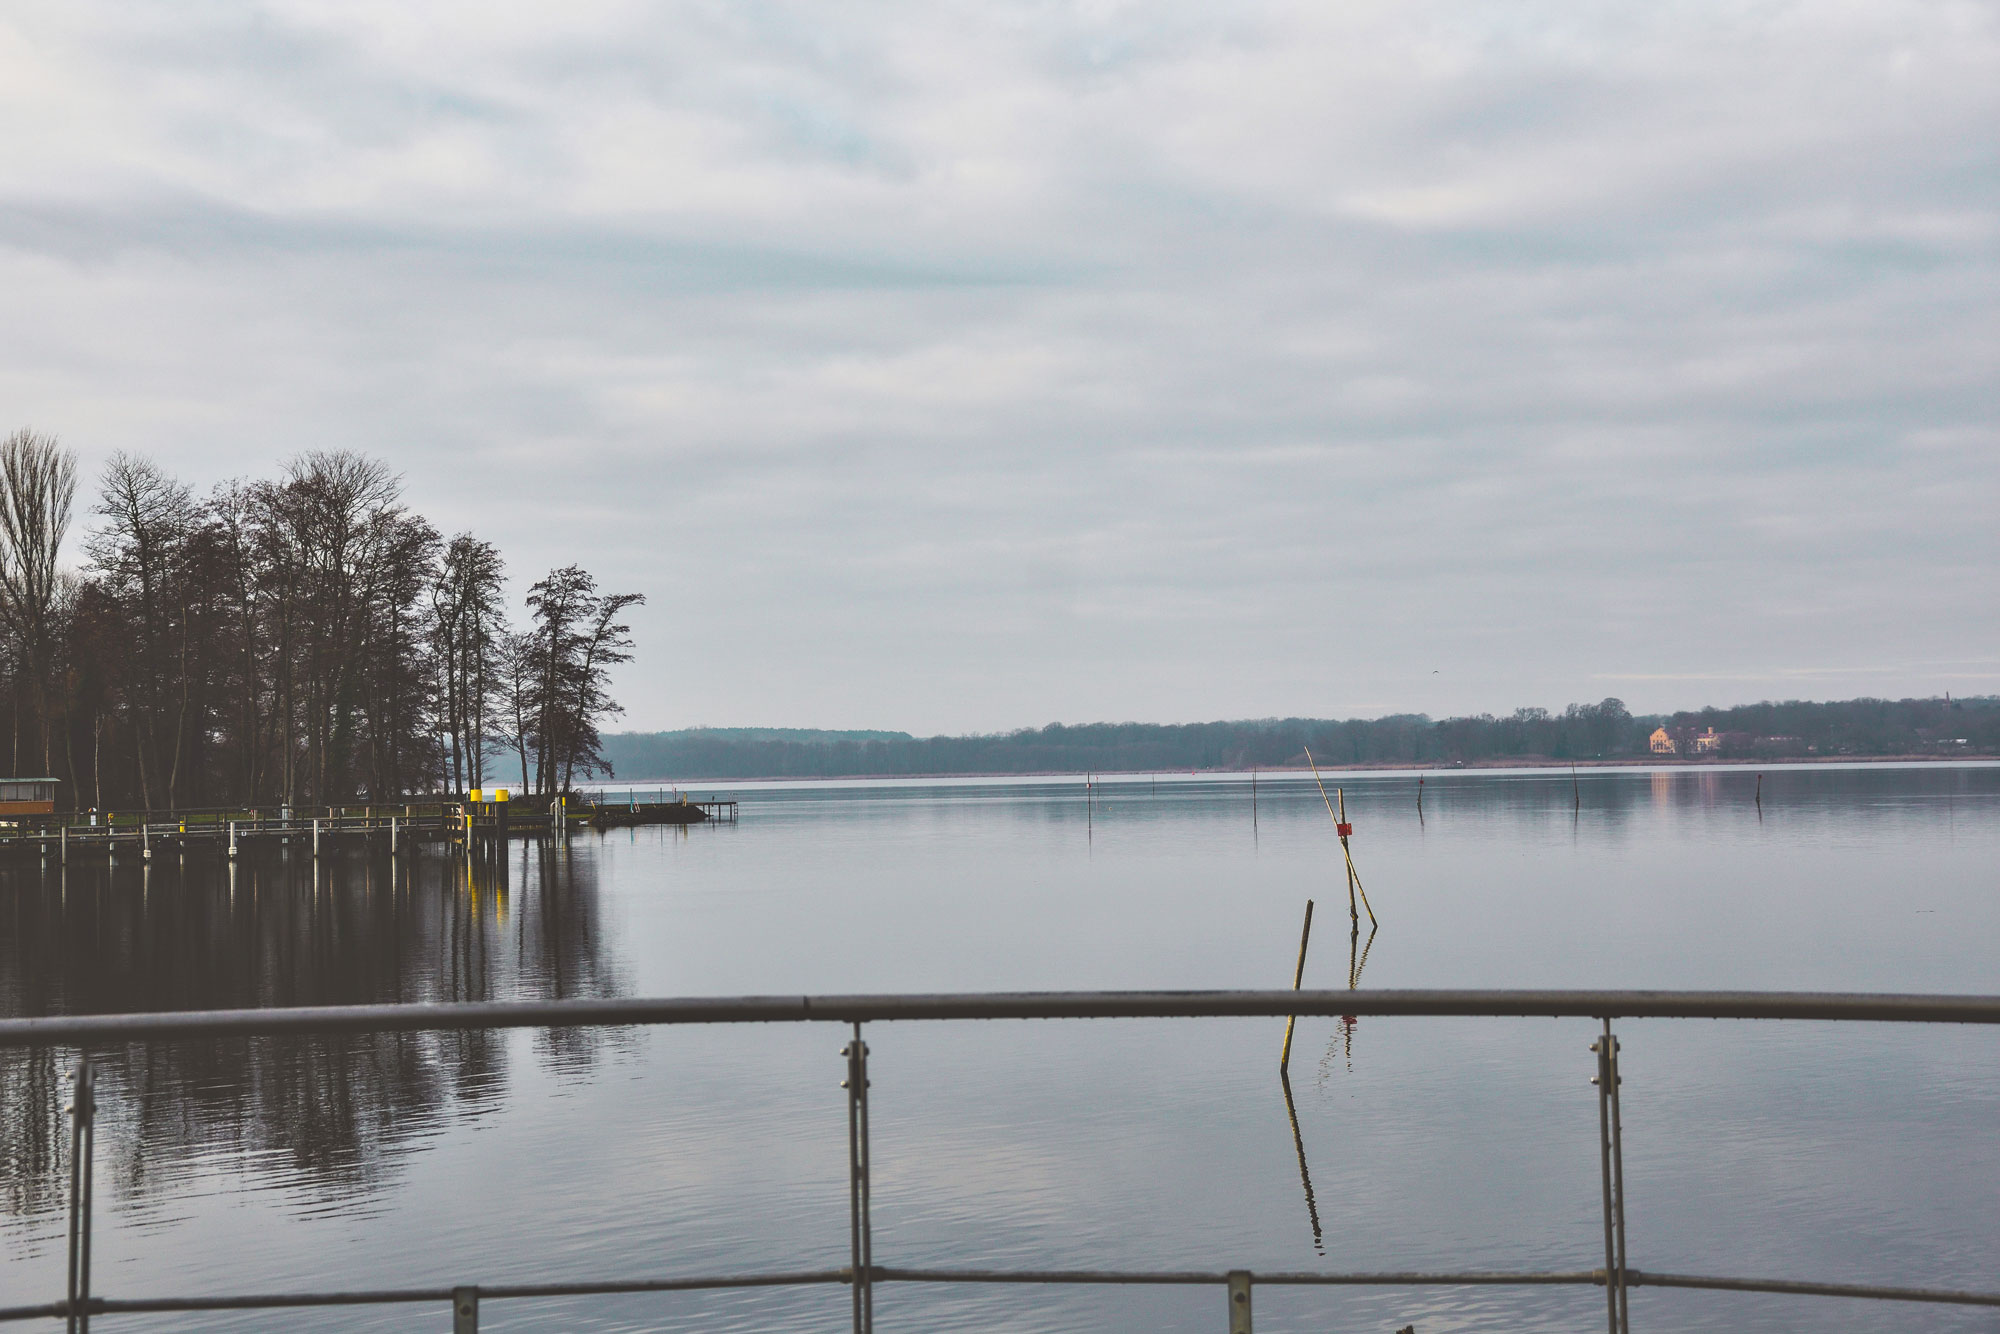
(329,1113)
(1305,1173)
(1357,960)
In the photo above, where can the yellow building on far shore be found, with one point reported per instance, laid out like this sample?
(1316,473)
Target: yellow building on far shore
(1662,743)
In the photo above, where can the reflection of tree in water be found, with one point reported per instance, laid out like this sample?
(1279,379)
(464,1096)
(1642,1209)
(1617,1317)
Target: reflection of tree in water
(325,1112)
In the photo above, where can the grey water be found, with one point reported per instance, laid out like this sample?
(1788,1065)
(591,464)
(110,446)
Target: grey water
(1848,1153)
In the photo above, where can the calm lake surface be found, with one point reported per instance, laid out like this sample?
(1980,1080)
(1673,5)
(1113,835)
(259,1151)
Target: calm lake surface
(1856,1153)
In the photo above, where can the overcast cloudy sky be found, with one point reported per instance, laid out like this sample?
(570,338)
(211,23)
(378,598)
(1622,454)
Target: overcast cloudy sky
(965,366)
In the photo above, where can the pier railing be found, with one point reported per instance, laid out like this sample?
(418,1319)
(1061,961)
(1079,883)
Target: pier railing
(861,1272)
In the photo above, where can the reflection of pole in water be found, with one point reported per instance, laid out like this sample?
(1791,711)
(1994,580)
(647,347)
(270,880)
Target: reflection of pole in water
(1355,963)
(1305,1174)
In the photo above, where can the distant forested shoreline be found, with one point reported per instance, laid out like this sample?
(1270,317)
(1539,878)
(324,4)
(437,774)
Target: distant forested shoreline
(1601,732)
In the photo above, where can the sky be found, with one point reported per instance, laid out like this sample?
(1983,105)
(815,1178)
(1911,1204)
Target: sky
(956,367)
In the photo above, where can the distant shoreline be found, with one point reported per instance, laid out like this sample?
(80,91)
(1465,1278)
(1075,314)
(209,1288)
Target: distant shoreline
(1469,766)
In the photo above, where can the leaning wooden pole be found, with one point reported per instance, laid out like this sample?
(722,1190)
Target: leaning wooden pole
(1340,824)
(1353,876)
(1343,829)
(1298,980)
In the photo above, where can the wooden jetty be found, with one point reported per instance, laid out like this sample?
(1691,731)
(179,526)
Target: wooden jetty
(684,811)
(395,828)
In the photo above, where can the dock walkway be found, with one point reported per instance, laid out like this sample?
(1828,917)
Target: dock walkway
(396,828)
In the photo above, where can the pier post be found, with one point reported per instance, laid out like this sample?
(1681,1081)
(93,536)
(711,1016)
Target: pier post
(62,847)
(1611,1155)
(1239,1301)
(860,1240)
(465,1311)
(145,842)
(232,840)
(392,836)
(82,1143)
(315,836)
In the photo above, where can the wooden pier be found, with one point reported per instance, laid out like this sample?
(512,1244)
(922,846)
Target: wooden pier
(145,836)
(684,811)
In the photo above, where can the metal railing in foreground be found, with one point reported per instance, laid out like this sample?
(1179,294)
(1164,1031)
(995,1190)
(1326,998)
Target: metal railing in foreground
(861,1273)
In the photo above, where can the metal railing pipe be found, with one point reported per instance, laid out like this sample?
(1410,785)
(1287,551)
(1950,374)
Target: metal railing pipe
(1387,1279)
(1795,1288)
(1849,1006)
(1065,1277)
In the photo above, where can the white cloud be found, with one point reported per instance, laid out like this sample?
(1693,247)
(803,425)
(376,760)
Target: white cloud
(965,366)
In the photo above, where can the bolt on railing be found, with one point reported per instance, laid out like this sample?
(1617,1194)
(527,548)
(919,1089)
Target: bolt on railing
(862,1273)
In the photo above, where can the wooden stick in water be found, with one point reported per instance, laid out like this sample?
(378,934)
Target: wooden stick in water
(1298,980)
(1340,822)
(1353,877)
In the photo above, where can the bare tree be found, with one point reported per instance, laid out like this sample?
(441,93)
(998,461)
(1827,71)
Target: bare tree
(576,638)
(37,489)
(307,637)
(140,554)
(607,643)
(465,629)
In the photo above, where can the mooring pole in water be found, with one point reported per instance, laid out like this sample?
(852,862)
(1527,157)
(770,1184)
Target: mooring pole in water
(1298,979)
(82,1142)
(232,840)
(1355,877)
(1760,794)
(1611,1155)
(859,1239)
(1343,829)
(1341,825)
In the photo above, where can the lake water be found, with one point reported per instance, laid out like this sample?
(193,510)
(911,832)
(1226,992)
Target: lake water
(1847,1153)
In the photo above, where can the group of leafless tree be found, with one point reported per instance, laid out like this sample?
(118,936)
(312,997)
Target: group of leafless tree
(305,639)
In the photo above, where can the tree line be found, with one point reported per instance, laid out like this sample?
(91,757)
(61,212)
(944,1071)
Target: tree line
(1606,730)
(306,638)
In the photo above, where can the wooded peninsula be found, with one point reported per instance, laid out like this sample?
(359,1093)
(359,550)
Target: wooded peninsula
(306,638)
